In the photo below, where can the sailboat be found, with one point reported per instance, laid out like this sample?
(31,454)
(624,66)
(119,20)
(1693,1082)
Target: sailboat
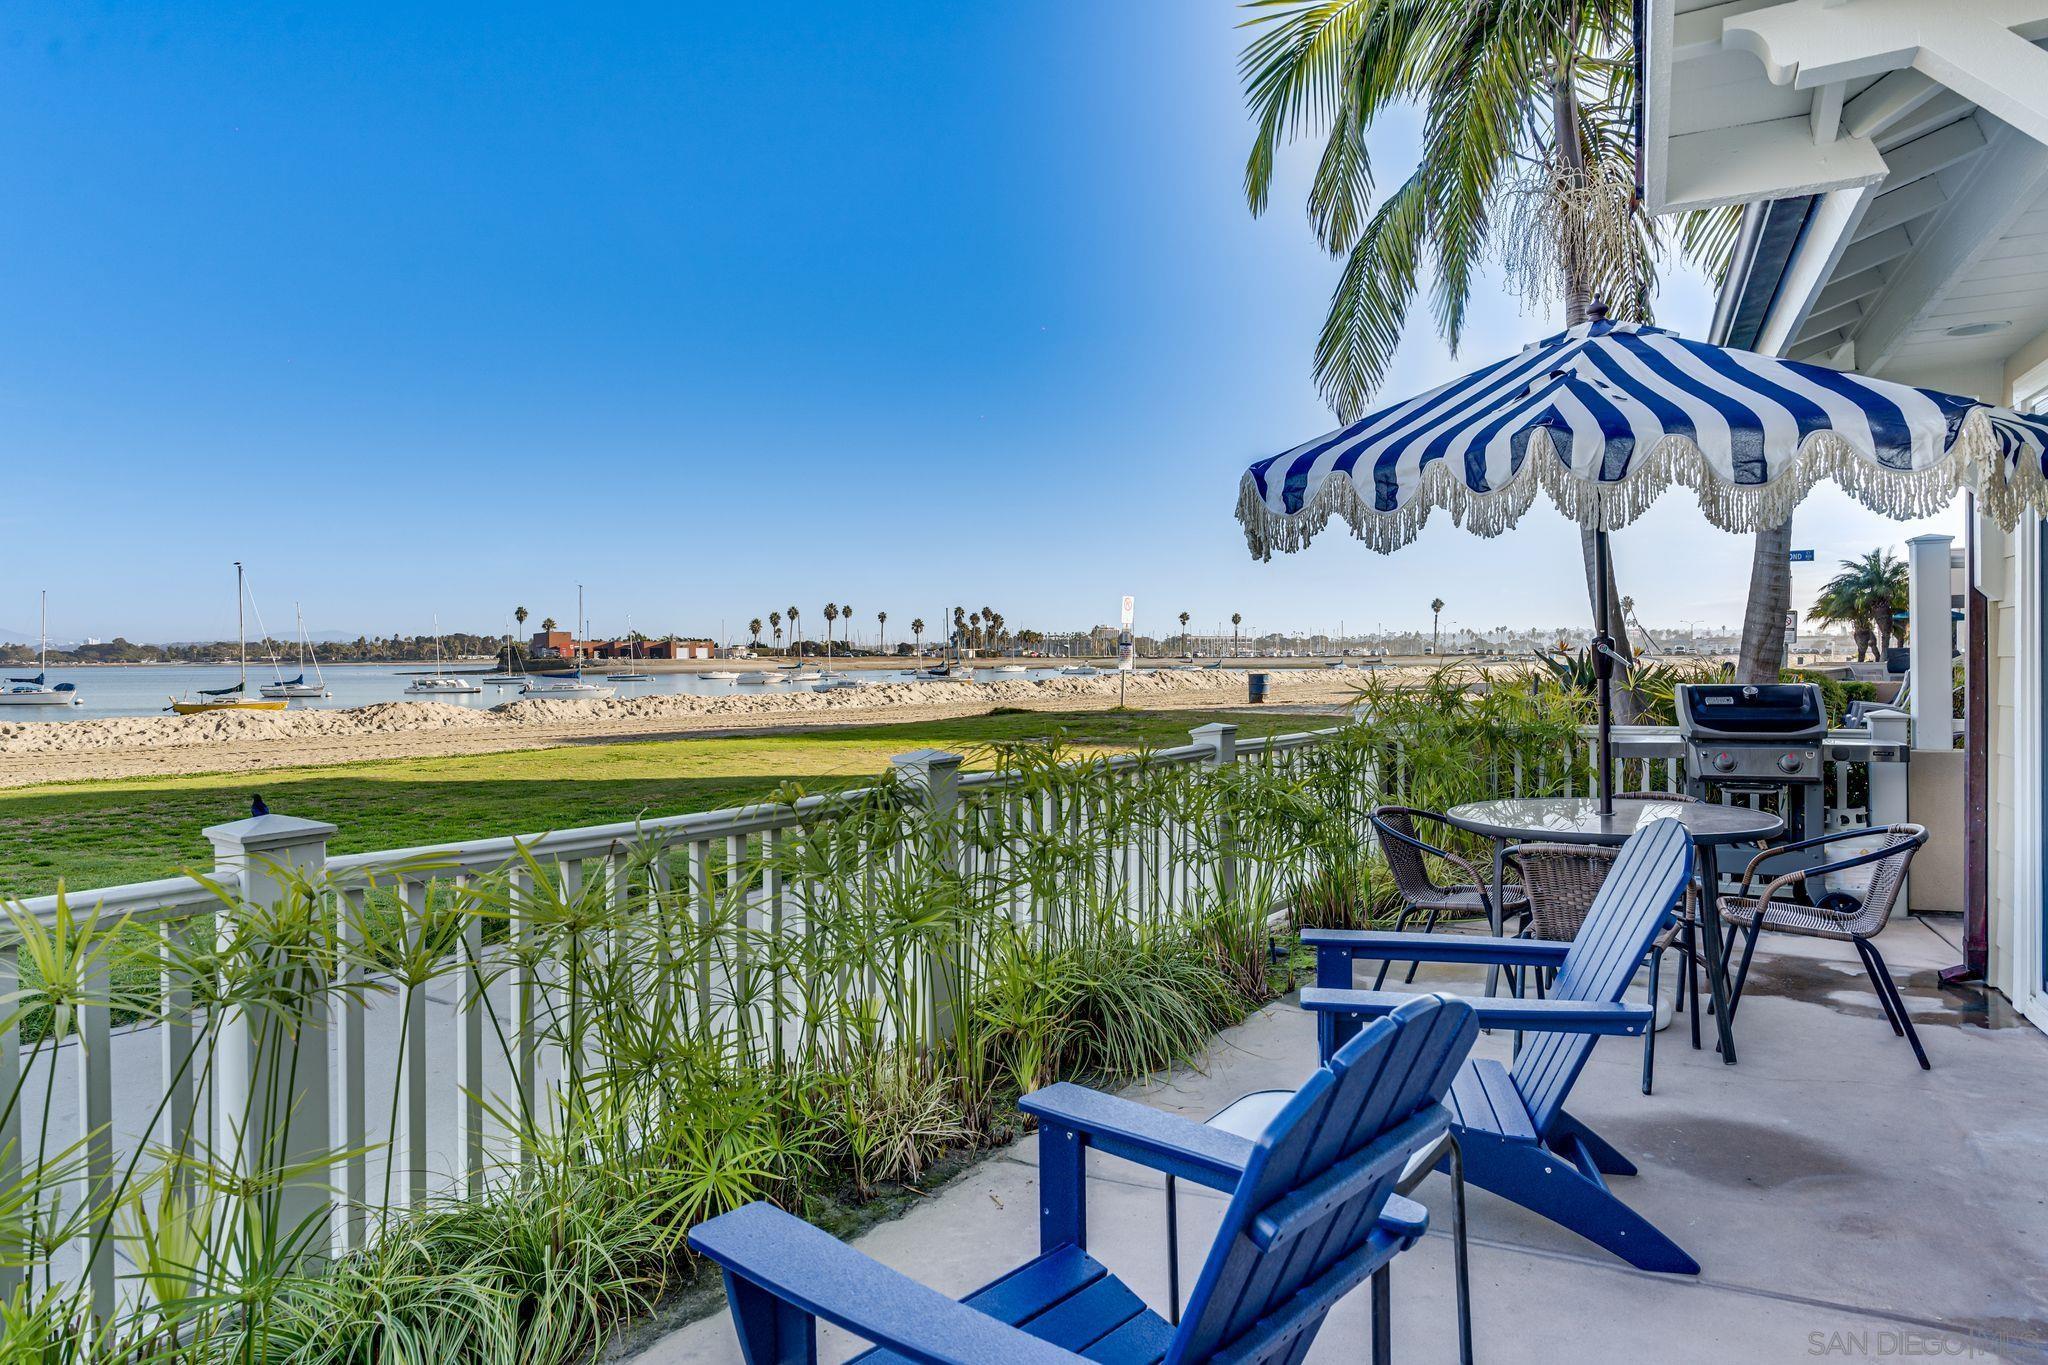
(632,674)
(37,691)
(514,673)
(567,687)
(438,683)
(299,687)
(236,698)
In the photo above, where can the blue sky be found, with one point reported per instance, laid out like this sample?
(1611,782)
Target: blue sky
(448,308)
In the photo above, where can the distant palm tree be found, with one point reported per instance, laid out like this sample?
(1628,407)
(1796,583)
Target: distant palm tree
(795,639)
(831,615)
(1236,620)
(1865,595)
(881,632)
(846,615)
(547,623)
(754,626)
(1436,610)
(775,624)
(519,615)
(1183,632)
(917,633)
(974,628)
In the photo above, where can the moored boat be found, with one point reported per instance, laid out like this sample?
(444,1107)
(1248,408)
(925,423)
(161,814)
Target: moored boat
(438,683)
(566,687)
(299,687)
(205,701)
(39,691)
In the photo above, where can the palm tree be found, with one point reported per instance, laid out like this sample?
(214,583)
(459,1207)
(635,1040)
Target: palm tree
(754,628)
(775,625)
(519,615)
(846,615)
(1436,611)
(547,623)
(1236,647)
(831,615)
(917,634)
(1866,594)
(796,641)
(881,632)
(1184,633)
(1527,155)
(974,629)
(1839,605)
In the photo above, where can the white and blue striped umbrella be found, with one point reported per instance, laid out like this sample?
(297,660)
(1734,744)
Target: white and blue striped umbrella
(1605,416)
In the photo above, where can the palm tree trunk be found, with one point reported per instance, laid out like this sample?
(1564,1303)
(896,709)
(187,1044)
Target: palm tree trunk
(1770,597)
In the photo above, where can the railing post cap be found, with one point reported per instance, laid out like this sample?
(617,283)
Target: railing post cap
(263,832)
(1214,727)
(927,758)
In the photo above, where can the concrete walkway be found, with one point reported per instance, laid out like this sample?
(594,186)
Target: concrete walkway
(1845,1204)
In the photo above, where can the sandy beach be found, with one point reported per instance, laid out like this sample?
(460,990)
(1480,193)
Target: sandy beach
(250,741)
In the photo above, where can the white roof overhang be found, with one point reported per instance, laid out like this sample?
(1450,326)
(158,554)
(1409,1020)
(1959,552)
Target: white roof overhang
(1895,157)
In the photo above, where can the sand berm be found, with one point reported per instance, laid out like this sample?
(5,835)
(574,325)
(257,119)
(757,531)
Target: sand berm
(62,751)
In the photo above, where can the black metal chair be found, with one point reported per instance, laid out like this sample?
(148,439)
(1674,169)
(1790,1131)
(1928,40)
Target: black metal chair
(1858,925)
(1408,854)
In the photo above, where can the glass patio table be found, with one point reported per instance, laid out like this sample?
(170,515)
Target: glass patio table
(1577,820)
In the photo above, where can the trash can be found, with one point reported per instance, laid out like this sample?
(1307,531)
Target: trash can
(1257,682)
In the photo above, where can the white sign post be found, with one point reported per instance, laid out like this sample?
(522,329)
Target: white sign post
(1126,649)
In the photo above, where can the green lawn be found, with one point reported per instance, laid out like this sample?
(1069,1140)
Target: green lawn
(103,833)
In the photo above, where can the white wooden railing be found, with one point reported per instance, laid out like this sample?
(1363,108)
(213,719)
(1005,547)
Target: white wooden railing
(470,1044)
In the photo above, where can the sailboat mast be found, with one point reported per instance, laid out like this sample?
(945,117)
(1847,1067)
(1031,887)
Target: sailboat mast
(43,637)
(241,632)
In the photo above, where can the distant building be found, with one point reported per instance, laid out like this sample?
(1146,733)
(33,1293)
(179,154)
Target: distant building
(560,644)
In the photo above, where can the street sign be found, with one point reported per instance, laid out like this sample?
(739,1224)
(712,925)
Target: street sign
(1800,556)
(1129,603)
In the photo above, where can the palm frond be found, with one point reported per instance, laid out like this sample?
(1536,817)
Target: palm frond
(1294,72)
(1706,237)
(1371,300)
(1480,74)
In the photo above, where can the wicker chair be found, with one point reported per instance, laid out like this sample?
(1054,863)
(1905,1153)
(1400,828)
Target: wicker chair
(1562,880)
(1752,914)
(1408,854)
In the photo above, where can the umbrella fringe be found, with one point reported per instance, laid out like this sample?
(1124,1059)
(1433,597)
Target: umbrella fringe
(1979,460)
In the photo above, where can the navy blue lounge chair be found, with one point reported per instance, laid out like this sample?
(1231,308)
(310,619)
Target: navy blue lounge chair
(1312,1215)
(1511,1123)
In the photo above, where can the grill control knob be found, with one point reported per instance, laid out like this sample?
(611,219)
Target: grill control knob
(1791,763)
(1724,762)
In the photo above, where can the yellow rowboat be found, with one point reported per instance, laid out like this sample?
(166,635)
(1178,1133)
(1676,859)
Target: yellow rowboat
(200,708)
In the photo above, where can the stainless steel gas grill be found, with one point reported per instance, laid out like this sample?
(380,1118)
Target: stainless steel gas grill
(1758,739)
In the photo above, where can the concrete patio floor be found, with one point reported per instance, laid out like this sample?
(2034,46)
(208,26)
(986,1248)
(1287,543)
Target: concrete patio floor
(1843,1203)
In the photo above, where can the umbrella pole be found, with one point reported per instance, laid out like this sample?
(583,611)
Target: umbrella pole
(1603,674)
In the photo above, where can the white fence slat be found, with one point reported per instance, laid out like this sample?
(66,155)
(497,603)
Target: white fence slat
(472,1000)
(413,1067)
(354,1118)
(96,1112)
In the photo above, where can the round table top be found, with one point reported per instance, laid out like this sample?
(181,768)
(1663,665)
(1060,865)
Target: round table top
(1577,820)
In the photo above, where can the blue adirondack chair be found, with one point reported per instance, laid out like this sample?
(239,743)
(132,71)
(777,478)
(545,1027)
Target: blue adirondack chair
(1312,1214)
(1511,1123)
